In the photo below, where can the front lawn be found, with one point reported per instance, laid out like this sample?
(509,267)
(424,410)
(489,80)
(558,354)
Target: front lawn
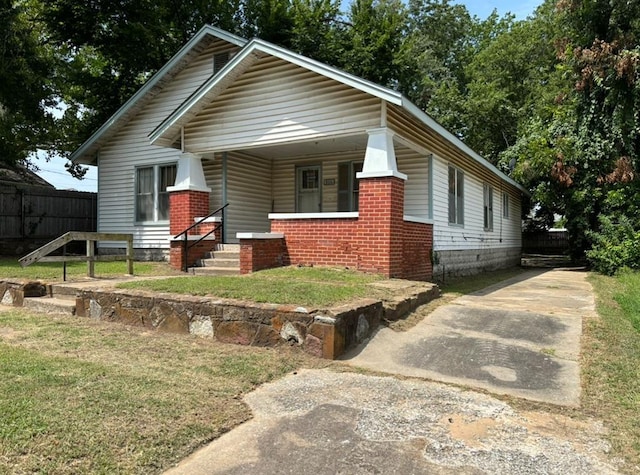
(11,269)
(79,396)
(308,286)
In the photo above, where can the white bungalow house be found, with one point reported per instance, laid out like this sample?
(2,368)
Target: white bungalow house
(317,167)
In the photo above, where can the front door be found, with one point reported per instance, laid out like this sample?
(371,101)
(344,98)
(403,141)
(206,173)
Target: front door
(308,199)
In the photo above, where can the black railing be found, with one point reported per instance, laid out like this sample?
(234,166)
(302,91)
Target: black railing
(185,243)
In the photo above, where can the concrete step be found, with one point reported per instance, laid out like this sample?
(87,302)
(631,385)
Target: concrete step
(218,262)
(215,270)
(50,305)
(228,247)
(224,255)
(61,291)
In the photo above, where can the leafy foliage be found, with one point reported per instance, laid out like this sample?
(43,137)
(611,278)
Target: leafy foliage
(615,246)
(26,89)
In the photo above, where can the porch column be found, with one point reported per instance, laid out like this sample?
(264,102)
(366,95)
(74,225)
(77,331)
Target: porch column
(381,207)
(188,199)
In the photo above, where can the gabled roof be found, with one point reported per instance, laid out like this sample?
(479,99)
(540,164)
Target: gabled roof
(167,132)
(86,152)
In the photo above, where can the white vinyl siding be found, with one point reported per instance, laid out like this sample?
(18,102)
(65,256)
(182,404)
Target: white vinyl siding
(506,232)
(130,149)
(505,205)
(212,168)
(274,102)
(248,194)
(416,188)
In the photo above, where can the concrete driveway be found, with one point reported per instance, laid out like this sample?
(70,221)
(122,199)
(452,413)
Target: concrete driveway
(521,337)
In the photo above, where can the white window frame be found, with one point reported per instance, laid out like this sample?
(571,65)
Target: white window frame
(487,206)
(156,193)
(505,205)
(456,198)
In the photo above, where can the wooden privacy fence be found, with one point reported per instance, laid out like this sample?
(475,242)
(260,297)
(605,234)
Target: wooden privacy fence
(33,215)
(545,242)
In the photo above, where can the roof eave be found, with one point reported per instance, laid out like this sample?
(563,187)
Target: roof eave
(86,153)
(423,117)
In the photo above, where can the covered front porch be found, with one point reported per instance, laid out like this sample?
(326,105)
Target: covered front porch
(359,201)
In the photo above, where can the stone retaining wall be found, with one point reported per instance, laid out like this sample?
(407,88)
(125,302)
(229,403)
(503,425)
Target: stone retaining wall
(326,333)
(323,333)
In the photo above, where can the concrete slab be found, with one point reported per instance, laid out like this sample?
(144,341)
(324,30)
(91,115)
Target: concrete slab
(320,422)
(520,337)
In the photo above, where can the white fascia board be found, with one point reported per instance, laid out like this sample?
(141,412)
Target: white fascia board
(456,142)
(168,129)
(206,30)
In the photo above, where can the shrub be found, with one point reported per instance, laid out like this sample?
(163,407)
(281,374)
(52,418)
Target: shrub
(615,246)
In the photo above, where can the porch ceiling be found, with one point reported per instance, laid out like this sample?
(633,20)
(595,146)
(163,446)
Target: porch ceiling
(352,143)
(310,148)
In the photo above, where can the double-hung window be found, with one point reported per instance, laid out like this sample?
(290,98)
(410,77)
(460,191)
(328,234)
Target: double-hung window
(348,186)
(152,197)
(456,196)
(488,207)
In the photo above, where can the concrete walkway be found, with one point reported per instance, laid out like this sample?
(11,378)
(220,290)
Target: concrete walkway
(326,422)
(520,337)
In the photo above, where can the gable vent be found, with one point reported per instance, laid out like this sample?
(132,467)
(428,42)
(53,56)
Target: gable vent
(219,60)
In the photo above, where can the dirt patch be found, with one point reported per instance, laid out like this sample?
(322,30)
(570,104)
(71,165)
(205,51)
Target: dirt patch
(413,318)
(7,333)
(472,433)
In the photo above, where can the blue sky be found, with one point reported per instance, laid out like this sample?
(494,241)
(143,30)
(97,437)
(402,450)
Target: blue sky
(483,8)
(55,173)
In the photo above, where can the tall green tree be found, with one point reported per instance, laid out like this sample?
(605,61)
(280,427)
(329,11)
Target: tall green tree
(507,80)
(373,40)
(26,88)
(604,53)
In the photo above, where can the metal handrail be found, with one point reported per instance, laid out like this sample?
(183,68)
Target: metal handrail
(186,245)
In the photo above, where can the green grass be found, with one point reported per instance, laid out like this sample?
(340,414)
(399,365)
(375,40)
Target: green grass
(10,268)
(308,286)
(79,396)
(611,362)
(629,297)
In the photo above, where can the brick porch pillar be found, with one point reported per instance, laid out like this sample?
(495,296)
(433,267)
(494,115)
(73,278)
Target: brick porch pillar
(381,207)
(188,199)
